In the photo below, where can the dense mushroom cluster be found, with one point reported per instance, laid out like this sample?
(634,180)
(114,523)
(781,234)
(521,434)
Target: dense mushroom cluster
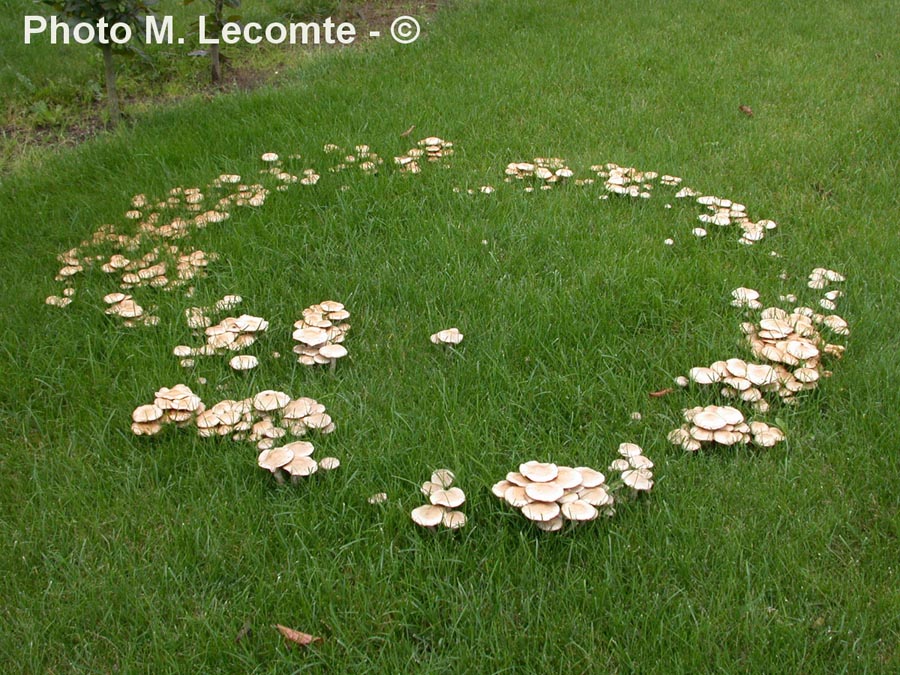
(261,419)
(231,334)
(125,307)
(548,494)
(625,180)
(362,157)
(294,460)
(431,149)
(320,332)
(546,171)
(444,502)
(721,425)
(139,259)
(178,405)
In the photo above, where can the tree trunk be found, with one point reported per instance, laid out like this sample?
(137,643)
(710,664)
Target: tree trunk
(112,97)
(216,64)
(218,11)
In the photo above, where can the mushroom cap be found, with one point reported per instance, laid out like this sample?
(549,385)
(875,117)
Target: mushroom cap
(145,414)
(311,336)
(590,477)
(629,449)
(540,511)
(378,498)
(428,515)
(454,519)
(640,462)
(579,510)
(620,464)
(274,459)
(553,525)
(544,492)
(709,420)
(430,487)
(443,477)
(449,336)
(329,463)
(451,497)
(243,362)
(702,375)
(333,351)
(516,496)
(270,400)
(298,408)
(300,466)
(596,496)
(146,428)
(539,472)
(639,479)
(568,478)
(300,448)
(319,421)
(498,489)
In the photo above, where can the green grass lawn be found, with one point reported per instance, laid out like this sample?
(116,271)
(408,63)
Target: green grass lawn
(125,554)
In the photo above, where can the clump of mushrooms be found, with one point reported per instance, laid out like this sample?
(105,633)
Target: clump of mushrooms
(262,419)
(294,460)
(320,332)
(444,502)
(721,425)
(549,494)
(546,172)
(431,149)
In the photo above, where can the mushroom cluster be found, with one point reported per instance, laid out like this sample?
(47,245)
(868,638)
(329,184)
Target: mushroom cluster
(626,180)
(448,336)
(178,405)
(432,149)
(198,317)
(362,158)
(721,425)
(547,171)
(148,221)
(127,308)
(261,419)
(320,332)
(634,467)
(294,460)
(230,334)
(745,297)
(265,418)
(444,502)
(548,494)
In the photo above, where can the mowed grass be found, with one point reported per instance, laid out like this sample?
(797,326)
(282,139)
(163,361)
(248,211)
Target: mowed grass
(134,555)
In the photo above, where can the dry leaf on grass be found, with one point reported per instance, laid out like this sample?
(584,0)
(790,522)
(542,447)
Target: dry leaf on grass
(661,392)
(408,131)
(746,109)
(297,637)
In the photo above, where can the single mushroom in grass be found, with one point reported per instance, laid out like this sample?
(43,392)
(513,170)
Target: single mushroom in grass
(449,336)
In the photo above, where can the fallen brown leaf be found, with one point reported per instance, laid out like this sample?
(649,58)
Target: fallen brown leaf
(661,392)
(408,131)
(746,109)
(297,637)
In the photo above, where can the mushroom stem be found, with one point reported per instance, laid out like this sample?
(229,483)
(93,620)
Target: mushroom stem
(333,364)
(279,478)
